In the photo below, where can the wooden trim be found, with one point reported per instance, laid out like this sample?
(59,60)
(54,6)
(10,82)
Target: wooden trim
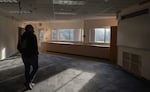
(113,45)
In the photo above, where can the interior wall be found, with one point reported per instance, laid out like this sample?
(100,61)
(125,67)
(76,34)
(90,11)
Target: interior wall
(102,22)
(133,38)
(8,35)
(76,24)
(136,28)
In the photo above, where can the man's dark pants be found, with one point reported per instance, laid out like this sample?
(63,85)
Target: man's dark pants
(28,62)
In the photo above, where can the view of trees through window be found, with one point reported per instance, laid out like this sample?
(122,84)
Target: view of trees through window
(99,35)
(102,35)
(67,34)
(54,34)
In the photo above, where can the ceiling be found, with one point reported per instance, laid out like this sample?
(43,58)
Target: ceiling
(45,10)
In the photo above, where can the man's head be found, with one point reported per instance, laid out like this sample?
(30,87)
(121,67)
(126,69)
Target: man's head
(29,28)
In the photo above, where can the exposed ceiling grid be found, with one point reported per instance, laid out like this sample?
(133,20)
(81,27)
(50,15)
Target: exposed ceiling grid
(45,10)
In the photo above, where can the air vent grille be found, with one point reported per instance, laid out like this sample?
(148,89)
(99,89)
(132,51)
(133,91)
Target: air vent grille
(134,14)
(132,63)
(126,60)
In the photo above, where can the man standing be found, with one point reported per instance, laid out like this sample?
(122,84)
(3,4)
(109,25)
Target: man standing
(28,48)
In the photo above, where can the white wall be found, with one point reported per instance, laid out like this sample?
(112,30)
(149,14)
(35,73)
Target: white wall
(133,37)
(135,32)
(8,35)
(76,24)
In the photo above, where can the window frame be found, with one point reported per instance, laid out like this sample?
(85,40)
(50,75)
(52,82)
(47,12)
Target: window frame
(93,35)
(41,30)
(80,39)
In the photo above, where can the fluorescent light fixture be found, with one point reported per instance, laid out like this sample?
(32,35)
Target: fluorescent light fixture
(68,2)
(21,12)
(64,13)
(8,1)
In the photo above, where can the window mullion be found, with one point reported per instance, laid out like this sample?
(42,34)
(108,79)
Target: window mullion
(104,35)
(57,35)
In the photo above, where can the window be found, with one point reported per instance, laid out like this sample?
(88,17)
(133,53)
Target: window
(54,36)
(100,35)
(107,35)
(41,35)
(66,35)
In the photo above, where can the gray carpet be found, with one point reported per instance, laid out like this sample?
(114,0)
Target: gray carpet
(66,74)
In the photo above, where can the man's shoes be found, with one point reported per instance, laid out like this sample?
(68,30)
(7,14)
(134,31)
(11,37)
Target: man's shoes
(32,84)
(28,86)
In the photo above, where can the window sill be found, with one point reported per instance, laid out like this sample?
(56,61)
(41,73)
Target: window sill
(74,43)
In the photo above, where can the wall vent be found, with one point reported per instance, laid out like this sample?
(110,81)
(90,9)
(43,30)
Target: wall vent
(126,60)
(132,63)
(134,14)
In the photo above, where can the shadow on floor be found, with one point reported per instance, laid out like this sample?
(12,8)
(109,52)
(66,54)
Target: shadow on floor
(103,83)
(11,80)
(107,78)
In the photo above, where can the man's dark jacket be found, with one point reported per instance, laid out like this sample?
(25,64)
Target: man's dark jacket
(28,44)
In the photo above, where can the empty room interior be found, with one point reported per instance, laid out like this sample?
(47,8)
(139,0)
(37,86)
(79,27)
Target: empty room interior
(84,45)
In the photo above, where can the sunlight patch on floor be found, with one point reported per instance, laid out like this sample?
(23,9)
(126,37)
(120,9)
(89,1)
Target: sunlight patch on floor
(70,80)
(10,63)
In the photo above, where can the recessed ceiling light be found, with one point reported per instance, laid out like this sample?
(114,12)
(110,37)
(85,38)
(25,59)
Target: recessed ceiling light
(64,13)
(8,1)
(106,0)
(68,2)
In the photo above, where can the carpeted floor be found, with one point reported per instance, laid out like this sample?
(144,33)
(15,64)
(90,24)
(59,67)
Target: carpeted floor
(66,74)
